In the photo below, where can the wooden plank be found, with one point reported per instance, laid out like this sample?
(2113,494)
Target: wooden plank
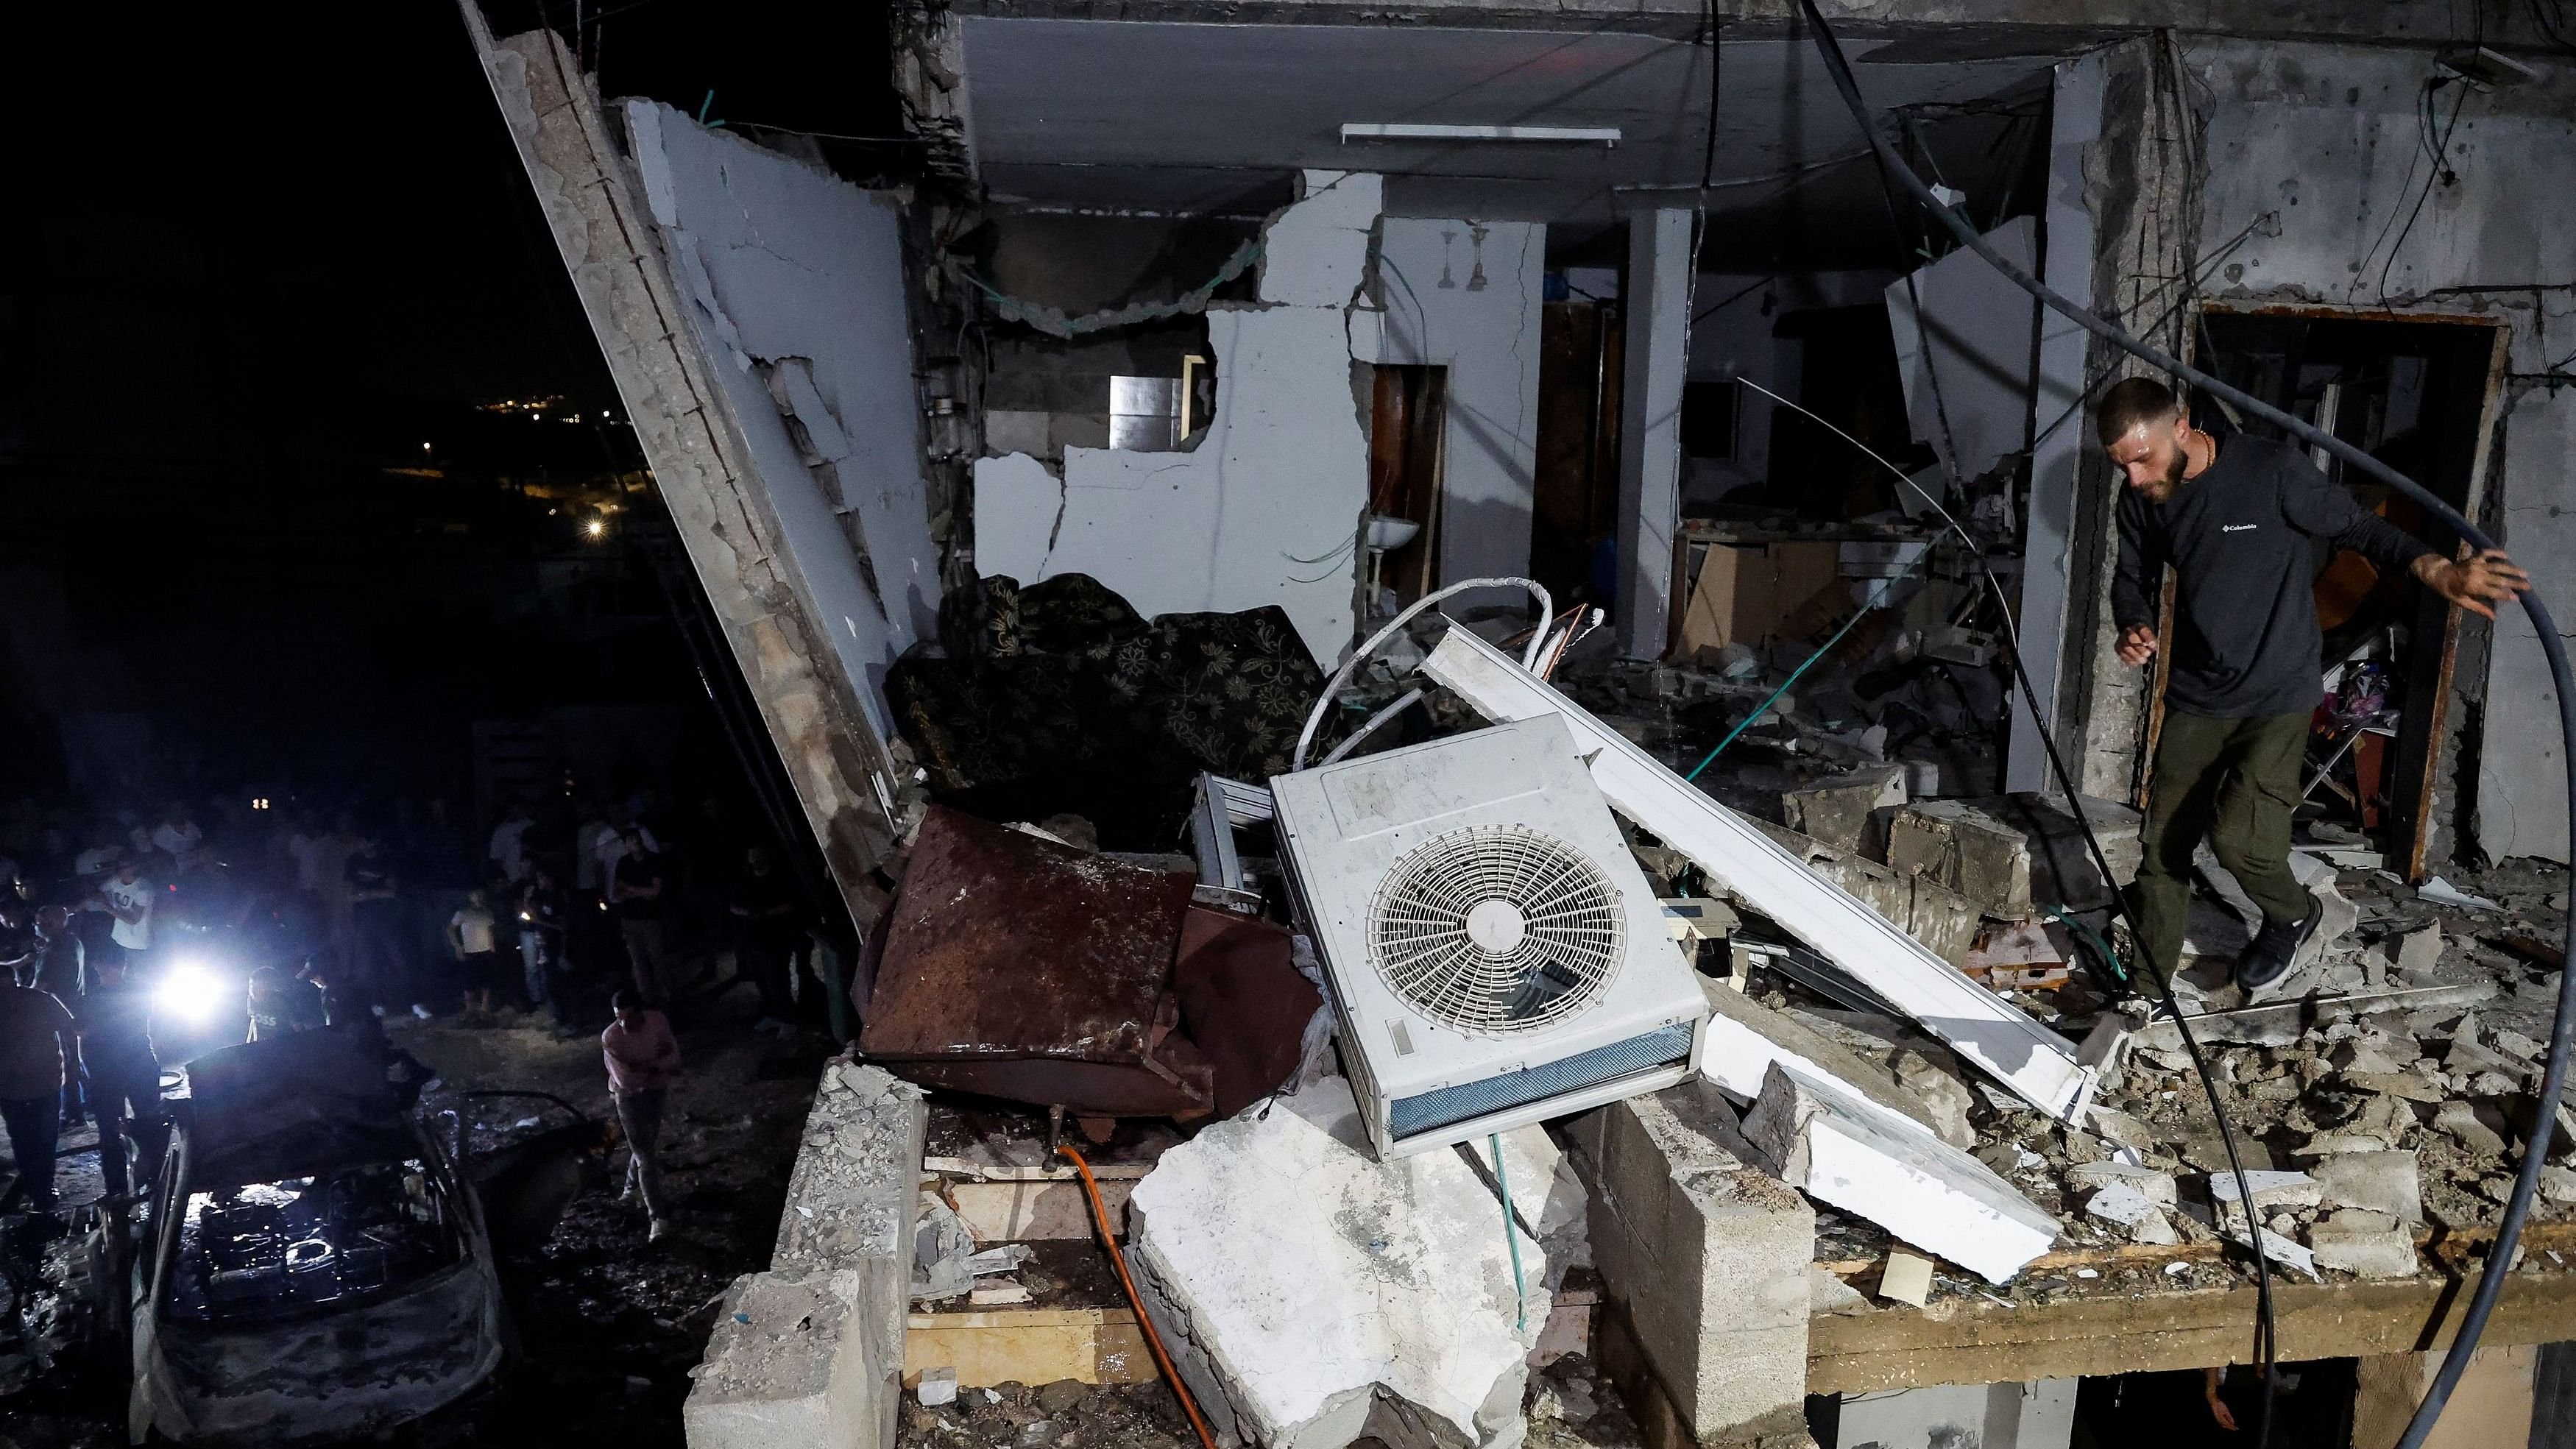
(1029,1346)
(1031,1212)
(1978,1340)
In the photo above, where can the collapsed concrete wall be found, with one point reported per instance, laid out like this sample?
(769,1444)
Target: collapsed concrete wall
(750,517)
(1266,508)
(794,280)
(2328,138)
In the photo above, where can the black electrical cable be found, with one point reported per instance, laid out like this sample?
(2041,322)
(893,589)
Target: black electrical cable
(2563,1028)
(2266,1323)
(2264,1339)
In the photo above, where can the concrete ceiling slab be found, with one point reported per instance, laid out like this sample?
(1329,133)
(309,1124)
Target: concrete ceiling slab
(1181,117)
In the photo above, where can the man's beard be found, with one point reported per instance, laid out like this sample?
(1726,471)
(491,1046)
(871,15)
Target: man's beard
(2166,486)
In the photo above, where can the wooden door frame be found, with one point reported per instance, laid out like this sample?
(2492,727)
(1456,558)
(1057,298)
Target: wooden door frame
(2481,461)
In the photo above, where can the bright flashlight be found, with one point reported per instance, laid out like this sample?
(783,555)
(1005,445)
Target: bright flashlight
(189,991)
(595,527)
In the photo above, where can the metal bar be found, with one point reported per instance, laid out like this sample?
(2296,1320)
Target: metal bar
(2034,1063)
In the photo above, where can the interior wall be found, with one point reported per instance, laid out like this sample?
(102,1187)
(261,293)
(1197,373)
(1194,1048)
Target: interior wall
(794,280)
(1465,295)
(2327,139)
(1266,508)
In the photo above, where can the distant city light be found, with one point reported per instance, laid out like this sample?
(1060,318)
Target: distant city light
(596,527)
(424,447)
(259,802)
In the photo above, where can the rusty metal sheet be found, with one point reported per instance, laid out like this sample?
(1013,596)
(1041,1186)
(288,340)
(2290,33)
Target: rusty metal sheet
(1017,967)
(1243,1003)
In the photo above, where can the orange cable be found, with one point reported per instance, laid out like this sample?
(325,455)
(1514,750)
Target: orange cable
(1118,1260)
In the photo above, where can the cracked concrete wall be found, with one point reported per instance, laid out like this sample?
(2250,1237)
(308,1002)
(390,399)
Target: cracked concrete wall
(1466,295)
(795,283)
(2134,174)
(729,518)
(1266,508)
(2326,138)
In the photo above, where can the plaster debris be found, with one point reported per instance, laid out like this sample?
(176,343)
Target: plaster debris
(1834,1145)
(1253,1236)
(1830,1294)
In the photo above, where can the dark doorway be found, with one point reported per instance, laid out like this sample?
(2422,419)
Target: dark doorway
(1408,419)
(2311,1407)
(2414,395)
(1576,503)
(1846,376)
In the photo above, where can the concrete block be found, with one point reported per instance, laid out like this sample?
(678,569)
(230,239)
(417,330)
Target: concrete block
(1942,919)
(1837,811)
(2272,1190)
(2157,1187)
(812,1350)
(1957,845)
(1706,1260)
(792,1361)
(1312,1295)
(1835,1145)
(2367,1244)
(2380,1182)
(2014,854)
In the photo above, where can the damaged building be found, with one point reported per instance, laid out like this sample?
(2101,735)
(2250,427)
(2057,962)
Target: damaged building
(1732,553)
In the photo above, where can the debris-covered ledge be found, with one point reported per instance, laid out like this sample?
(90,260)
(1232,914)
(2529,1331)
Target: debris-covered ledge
(809,1352)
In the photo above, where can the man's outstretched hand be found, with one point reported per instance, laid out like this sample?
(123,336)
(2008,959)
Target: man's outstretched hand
(2476,584)
(2137,644)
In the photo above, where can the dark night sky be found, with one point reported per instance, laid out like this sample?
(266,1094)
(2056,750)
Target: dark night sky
(251,258)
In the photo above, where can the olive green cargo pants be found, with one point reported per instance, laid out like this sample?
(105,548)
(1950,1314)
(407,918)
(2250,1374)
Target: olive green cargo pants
(2235,781)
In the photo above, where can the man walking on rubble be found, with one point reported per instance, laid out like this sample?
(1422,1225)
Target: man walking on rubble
(642,1054)
(2239,522)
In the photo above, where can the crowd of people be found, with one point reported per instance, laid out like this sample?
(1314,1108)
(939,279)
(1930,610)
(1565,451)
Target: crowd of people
(131,940)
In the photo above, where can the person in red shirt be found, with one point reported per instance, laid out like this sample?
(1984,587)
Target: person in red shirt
(641,1054)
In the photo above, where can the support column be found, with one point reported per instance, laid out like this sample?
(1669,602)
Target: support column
(2140,189)
(1650,452)
(2061,429)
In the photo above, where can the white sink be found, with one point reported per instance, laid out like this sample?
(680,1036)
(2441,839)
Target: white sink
(1385,534)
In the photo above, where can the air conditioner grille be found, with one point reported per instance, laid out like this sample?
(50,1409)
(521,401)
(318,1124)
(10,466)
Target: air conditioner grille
(1496,929)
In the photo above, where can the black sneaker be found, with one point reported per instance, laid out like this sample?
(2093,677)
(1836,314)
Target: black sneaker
(2276,946)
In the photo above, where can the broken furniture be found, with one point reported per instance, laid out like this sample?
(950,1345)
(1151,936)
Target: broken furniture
(1014,966)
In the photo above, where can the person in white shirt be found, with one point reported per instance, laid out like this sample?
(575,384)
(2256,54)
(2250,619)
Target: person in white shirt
(473,938)
(128,897)
(179,837)
(509,850)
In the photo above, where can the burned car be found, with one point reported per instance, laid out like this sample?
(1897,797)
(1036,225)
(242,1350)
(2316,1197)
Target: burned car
(313,1262)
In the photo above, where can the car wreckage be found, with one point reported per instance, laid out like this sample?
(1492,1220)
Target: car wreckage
(314,1261)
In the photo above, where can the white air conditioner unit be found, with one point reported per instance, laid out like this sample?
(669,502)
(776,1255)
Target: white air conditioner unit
(1495,955)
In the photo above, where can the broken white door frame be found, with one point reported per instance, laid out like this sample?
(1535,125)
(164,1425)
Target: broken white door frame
(2034,1063)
